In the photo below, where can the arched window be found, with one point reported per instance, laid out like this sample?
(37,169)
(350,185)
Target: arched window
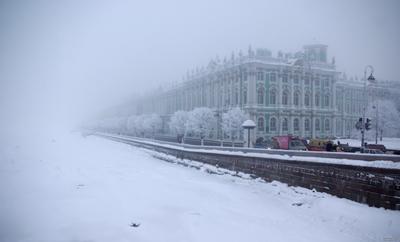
(272,97)
(260,96)
(285,98)
(326,100)
(260,124)
(307,125)
(307,99)
(296,98)
(227,97)
(296,124)
(338,127)
(272,124)
(273,77)
(317,99)
(348,125)
(347,107)
(285,124)
(327,125)
(236,97)
(260,76)
(317,125)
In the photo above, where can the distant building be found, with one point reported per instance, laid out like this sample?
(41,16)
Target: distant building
(300,94)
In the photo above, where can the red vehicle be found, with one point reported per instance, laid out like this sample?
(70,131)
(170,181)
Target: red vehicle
(289,142)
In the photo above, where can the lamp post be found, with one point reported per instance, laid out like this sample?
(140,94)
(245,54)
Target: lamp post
(376,122)
(370,78)
(376,109)
(248,124)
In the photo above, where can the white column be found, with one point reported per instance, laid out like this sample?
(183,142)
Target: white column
(313,127)
(302,133)
(251,90)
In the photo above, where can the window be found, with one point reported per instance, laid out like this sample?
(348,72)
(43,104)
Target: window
(316,82)
(260,124)
(236,97)
(296,79)
(260,76)
(327,125)
(307,125)
(326,83)
(307,99)
(260,96)
(272,124)
(307,80)
(272,97)
(267,77)
(317,125)
(273,77)
(326,100)
(317,99)
(296,124)
(227,97)
(284,78)
(245,96)
(339,127)
(285,98)
(347,107)
(296,98)
(285,124)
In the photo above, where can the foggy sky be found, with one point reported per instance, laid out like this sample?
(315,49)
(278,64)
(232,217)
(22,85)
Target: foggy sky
(65,60)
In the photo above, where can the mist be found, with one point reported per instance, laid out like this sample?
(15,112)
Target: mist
(62,62)
(232,159)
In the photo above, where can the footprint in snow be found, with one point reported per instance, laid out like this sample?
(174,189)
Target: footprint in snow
(80,186)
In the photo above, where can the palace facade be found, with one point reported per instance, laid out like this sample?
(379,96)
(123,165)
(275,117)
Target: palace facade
(300,94)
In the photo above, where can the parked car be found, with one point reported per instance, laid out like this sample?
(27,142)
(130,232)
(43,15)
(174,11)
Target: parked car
(289,142)
(377,147)
(373,151)
(319,144)
(262,143)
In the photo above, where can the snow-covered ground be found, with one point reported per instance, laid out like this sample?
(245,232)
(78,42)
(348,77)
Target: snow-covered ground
(390,143)
(70,188)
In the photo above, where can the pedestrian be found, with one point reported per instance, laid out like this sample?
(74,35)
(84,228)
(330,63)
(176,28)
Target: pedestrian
(329,146)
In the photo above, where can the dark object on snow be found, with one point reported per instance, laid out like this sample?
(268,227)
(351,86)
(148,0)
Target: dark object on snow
(135,225)
(297,204)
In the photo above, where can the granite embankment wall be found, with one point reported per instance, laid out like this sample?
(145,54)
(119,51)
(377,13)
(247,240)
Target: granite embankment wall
(378,187)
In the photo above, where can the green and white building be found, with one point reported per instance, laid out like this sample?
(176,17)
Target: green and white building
(301,94)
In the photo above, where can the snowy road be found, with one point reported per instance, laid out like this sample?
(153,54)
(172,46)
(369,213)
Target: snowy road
(70,188)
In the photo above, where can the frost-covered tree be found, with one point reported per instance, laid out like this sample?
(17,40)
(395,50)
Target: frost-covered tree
(140,127)
(200,122)
(131,125)
(144,125)
(388,118)
(178,124)
(153,123)
(232,123)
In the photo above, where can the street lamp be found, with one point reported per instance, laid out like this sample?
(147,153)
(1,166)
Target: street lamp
(372,79)
(248,124)
(376,121)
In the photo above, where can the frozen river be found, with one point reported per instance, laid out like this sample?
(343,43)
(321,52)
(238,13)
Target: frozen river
(70,188)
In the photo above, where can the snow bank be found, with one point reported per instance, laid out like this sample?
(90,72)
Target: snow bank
(378,164)
(389,143)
